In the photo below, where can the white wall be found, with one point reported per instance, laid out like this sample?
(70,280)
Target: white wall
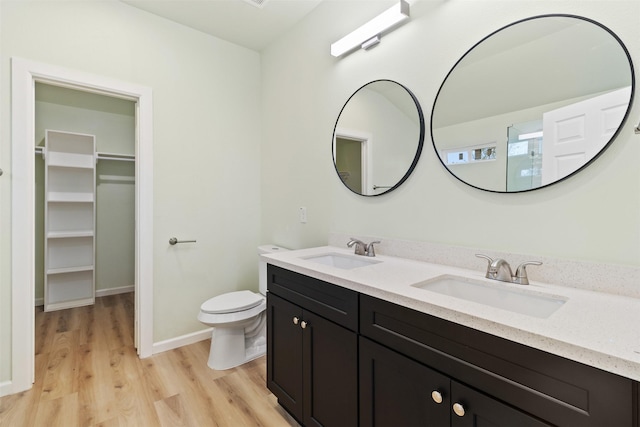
(593,216)
(206,143)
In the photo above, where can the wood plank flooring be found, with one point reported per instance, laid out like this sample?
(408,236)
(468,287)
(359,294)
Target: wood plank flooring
(88,374)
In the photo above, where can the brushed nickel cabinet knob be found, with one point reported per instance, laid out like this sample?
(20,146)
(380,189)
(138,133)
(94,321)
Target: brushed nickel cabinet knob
(458,409)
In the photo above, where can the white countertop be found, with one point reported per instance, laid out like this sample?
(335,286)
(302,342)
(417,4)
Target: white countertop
(597,329)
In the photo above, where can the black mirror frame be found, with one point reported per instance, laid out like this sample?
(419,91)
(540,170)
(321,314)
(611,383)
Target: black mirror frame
(418,150)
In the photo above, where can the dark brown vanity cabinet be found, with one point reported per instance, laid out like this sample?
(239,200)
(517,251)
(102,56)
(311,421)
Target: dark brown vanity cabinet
(339,358)
(312,348)
(494,381)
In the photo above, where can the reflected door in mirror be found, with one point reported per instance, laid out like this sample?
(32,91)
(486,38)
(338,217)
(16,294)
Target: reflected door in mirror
(349,162)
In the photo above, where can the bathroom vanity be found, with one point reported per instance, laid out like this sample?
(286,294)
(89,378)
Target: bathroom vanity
(345,353)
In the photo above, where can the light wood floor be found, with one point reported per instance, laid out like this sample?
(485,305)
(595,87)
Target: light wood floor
(88,374)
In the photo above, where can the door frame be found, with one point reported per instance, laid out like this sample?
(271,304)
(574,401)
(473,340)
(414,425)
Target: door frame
(366,160)
(24,75)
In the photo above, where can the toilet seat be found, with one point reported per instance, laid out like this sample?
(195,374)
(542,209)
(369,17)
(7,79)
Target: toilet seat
(231,302)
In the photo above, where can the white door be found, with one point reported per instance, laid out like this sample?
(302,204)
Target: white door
(574,134)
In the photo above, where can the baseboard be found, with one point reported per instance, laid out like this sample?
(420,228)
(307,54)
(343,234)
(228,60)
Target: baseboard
(181,341)
(100,293)
(114,291)
(6,388)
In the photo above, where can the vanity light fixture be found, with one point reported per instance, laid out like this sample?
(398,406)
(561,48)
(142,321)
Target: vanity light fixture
(368,35)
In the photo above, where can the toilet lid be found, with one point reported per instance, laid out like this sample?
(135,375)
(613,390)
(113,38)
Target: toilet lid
(231,302)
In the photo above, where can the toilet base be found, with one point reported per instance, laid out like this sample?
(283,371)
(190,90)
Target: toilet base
(232,347)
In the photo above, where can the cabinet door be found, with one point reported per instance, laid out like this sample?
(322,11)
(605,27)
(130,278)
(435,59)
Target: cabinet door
(330,354)
(397,391)
(284,353)
(478,410)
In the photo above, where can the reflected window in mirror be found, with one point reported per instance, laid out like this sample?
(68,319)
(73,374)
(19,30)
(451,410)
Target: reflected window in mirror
(378,138)
(549,92)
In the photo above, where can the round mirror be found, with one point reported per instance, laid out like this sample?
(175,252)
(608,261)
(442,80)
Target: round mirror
(378,138)
(532,103)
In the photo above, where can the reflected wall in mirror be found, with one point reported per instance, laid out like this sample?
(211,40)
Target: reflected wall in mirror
(378,137)
(532,103)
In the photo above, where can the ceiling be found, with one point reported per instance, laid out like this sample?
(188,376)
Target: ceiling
(237,21)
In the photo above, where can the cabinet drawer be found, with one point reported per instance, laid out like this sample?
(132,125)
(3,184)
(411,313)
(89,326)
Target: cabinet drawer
(332,302)
(550,387)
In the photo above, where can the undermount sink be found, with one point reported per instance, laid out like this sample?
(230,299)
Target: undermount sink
(494,295)
(345,262)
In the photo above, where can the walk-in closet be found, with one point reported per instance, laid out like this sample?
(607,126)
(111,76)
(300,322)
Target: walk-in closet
(85,196)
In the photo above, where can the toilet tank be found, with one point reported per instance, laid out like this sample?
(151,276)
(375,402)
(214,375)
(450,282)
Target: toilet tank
(262,266)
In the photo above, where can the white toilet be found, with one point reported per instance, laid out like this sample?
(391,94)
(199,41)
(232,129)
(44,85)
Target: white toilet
(239,321)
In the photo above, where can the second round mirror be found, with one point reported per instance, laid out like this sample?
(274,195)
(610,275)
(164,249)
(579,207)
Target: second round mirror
(532,103)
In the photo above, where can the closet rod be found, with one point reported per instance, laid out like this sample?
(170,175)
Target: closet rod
(103,156)
(115,158)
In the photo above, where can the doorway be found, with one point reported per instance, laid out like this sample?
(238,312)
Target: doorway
(349,163)
(108,123)
(352,157)
(25,75)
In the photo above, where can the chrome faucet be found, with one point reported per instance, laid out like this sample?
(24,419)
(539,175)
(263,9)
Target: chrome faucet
(361,248)
(500,269)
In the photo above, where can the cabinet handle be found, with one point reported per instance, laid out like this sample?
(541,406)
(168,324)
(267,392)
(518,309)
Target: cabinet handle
(436,396)
(295,320)
(303,324)
(458,409)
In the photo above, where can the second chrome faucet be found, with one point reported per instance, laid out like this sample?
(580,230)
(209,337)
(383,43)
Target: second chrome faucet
(499,269)
(361,248)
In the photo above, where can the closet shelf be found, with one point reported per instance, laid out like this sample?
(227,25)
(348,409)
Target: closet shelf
(70,269)
(67,160)
(69,226)
(70,197)
(67,234)
(70,303)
